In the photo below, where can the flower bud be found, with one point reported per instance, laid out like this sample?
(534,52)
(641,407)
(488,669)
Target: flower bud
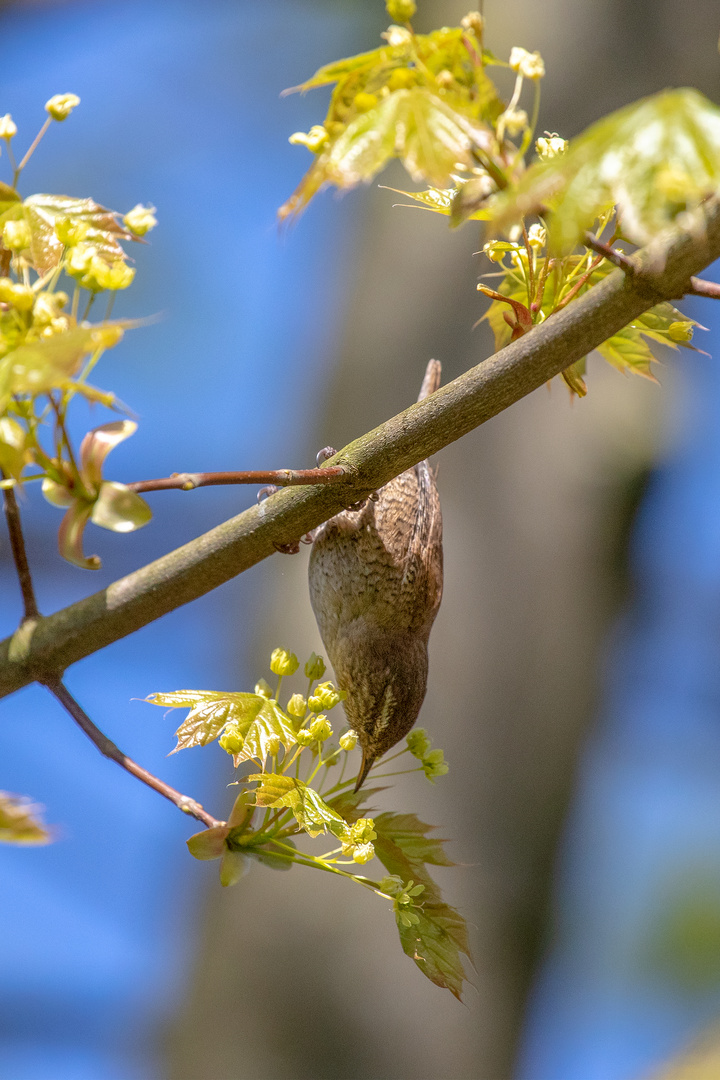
(400,11)
(513,122)
(16,235)
(324,697)
(495,250)
(445,78)
(529,65)
(70,232)
(141,219)
(21,297)
(283,662)
(79,260)
(434,764)
(362,831)
(304,738)
(263,689)
(315,667)
(320,729)
(314,140)
(681,332)
(348,740)
(8,128)
(402,78)
(364,102)
(474,22)
(550,147)
(418,742)
(273,745)
(392,884)
(397,36)
(118,276)
(61,105)
(297,705)
(363,853)
(47,307)
(231,740)
(537,236)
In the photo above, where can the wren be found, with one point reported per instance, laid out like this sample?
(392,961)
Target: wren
(376,576)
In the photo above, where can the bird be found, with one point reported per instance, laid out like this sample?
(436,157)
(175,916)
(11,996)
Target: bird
(376,578)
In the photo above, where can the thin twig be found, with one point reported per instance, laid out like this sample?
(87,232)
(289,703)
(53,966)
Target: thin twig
(19,554)
(572,293)
(110,750)
(701,287)
(336,474)
(615,257)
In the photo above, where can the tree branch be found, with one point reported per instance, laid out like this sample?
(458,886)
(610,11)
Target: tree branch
(663,269)
(337,474)
(615,257)
(110,750)
(19,554)
(700,287)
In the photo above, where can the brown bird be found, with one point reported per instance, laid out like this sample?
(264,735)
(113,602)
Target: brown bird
(376,578)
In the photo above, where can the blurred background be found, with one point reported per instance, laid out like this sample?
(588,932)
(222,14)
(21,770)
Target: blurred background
(574,686)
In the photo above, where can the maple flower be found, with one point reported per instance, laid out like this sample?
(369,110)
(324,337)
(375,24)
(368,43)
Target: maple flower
(61,105)
(529,65)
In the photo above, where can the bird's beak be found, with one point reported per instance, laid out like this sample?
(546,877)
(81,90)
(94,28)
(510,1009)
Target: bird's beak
(365,767)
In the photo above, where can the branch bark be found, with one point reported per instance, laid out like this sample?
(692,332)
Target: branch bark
(40,650)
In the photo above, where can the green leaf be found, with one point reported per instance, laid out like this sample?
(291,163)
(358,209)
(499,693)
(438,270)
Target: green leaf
(432,126)
(352,805)
(574,376)
(627,350)
(268,722)
(311,811)
(432,943)
(439,200)
(331,73)
(12,447)
(208,844)
(203,724)
(432,139)
(98,443)
(210,711)
(234,865)
(70,536)
(366,144)
(653,159)
(119,509)
(439,938)
(103,229)
(48,364)
(19,821)
(435,140)
(410,835)
(7,195)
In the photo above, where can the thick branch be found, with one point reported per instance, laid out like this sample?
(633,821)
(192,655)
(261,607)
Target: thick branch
(422,430)
(280,477)
(110,750)
(17,546)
